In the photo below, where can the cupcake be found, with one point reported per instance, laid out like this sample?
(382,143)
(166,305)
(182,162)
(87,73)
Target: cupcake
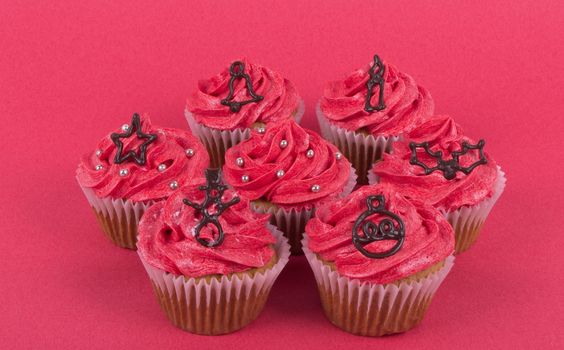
(378,259)
(131,169)
(287,172)
(244,96)
(437,164)
(210,258)
(369,109)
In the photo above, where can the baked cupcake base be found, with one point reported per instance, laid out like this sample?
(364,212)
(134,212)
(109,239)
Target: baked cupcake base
(217,142)
(367,309)
(362,150)
(118,218)
(214,305)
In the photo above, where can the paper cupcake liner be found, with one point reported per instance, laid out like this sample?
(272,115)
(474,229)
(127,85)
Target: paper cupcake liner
(118,218)
(216,305)
(217,142)
(292,221)
(361,150)
(369,309)
(467,221)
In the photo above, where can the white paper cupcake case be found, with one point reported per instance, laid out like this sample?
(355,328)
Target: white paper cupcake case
(361,150)
(120,217)
(217,142)
(194,303)
(467,221)
(367,306)
(292,221)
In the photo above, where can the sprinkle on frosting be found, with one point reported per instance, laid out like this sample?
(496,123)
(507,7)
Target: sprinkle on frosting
(168,165)
(311,170)
(167,240)
(429,239)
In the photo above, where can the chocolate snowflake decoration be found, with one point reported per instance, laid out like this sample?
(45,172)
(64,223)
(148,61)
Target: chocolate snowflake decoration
(376,78)
(140,156)
(390,228)
(214,191)
(449,167)
(237,71)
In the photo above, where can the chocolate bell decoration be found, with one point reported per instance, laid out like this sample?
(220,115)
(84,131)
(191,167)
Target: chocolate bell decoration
(376,78)
(237,71)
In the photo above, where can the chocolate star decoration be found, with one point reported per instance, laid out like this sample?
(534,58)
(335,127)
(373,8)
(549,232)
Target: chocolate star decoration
(376,78)
(451,166)
(237,71)
(140,156)
(214,191)
(388,229)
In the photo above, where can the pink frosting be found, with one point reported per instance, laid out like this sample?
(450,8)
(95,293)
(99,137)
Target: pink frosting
(407,104)
(263,157)
(429,239)
(166,239)
(281,100)
(444,135)
(144,183)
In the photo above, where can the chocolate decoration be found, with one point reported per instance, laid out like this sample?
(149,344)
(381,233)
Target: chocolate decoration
(376,78)
(138,157)
(214,191)
(237,71)
(388,229)
(451,166)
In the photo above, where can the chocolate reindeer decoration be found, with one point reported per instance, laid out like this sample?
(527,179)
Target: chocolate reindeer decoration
(237,71)
(139,157)
(451,166)
(214,191)
(388,229)
(376,78)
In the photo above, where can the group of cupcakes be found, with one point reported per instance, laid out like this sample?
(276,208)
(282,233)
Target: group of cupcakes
(379,204)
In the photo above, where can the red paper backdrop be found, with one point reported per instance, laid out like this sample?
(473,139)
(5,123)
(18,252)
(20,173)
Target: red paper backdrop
(70,71)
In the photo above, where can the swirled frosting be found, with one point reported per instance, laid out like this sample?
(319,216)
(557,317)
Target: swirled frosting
(429,239)
(407,104)
(280,99)
(264,156)
(147,182)
(444,135)
(166,237)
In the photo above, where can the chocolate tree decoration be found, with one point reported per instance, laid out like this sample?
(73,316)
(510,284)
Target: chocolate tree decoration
(214,190)
(388,229)
(376,78)
(139,157)
(237,71)
(451,166)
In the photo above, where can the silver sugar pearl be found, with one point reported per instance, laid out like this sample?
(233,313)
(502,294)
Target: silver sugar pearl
(173,185)
(261,129)
(283,144)
(280,173)
(310,153)
(99,167)
(315,188)
(245,178)
(240,161)
(123,172)
(338,155)
(125,127)
(162,167)
(98,152)
(190,153)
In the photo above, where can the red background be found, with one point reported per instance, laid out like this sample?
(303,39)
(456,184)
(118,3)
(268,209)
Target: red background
(71,71)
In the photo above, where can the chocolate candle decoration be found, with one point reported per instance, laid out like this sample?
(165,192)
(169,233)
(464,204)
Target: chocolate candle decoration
(138,157)
(376,78)
(214,191)
(451,166)
(237,71)
(388,229)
